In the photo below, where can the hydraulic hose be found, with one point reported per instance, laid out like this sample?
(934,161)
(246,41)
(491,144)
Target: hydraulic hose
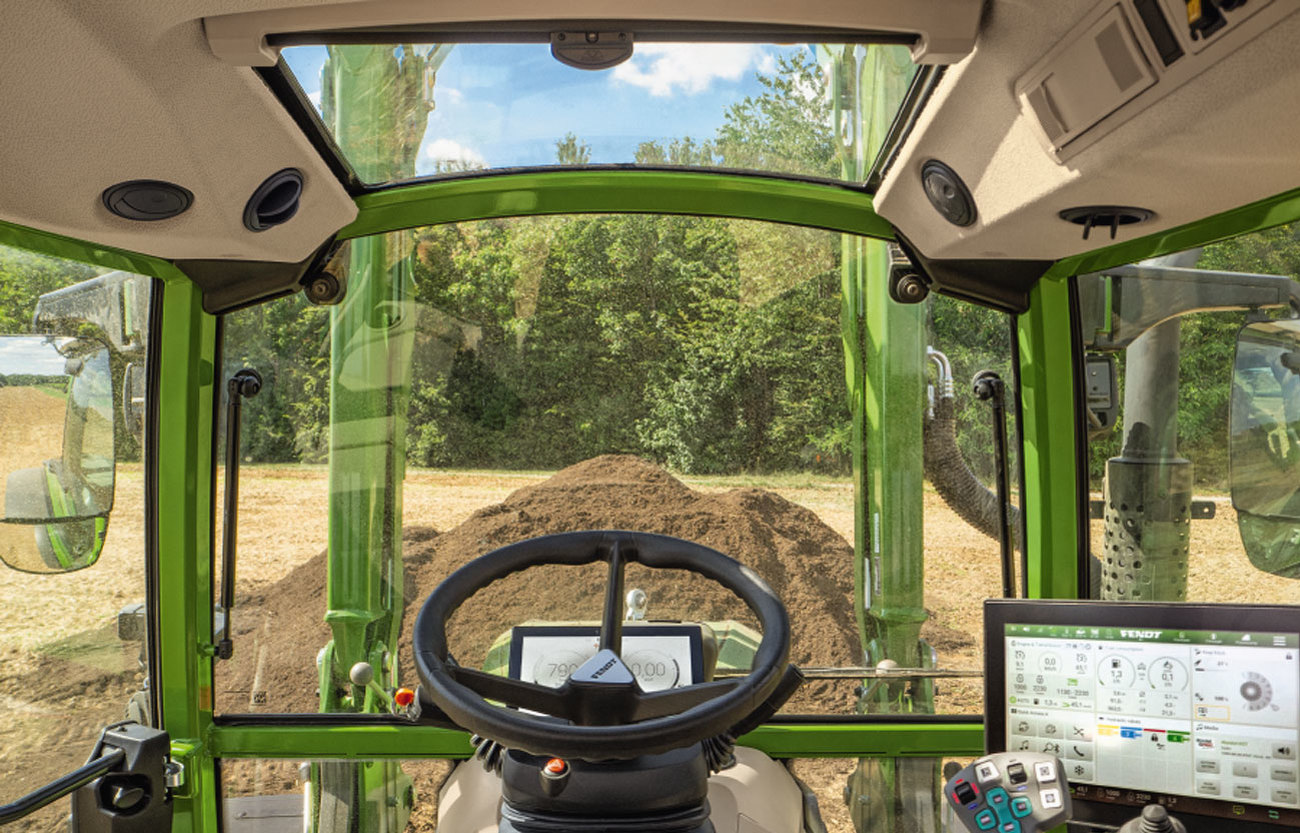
(960,488)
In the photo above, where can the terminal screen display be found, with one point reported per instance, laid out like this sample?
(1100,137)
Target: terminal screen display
(1136,713)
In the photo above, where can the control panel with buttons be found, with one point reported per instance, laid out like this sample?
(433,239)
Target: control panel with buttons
(1010,792)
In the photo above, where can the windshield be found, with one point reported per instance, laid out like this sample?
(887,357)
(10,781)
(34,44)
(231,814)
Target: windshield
(467,107)
(488,382)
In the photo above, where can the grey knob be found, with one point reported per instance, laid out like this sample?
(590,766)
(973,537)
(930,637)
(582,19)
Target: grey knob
(637,601)
(361,674)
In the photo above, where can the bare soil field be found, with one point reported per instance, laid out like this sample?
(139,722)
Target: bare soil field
(64,673)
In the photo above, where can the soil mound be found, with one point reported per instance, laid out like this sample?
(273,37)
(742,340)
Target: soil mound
(807,563)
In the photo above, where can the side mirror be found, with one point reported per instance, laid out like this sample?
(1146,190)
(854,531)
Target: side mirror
(57,458)
(1264,444)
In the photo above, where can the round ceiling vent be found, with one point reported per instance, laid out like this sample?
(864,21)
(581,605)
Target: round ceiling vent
(947,193)
(275,201)
(147,199)
(1105,216)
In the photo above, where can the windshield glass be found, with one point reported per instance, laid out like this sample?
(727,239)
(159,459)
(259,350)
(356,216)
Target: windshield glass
(453,108)
(488,382)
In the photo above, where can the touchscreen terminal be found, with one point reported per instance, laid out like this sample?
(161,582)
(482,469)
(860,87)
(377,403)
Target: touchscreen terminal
(1195,706)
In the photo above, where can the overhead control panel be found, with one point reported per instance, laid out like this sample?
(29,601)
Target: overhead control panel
(1128,54)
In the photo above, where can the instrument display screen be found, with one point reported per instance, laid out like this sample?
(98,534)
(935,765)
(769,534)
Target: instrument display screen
(659,656)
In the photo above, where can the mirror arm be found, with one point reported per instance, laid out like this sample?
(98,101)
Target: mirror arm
(245,383)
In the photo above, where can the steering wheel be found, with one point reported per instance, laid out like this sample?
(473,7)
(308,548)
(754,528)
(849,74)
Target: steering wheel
(600,713)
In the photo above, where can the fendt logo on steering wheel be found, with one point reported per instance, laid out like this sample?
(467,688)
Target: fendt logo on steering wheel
(596,675)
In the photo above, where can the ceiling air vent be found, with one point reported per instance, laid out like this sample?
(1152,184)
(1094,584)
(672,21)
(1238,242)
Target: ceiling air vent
(275,201)
(1105,216)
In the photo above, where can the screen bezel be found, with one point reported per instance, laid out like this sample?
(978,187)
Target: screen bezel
(1098,803)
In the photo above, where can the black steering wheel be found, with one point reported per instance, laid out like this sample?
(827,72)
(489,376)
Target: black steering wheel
(600,713)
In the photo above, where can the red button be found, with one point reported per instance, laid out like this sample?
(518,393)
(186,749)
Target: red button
(404,697)
(556,766)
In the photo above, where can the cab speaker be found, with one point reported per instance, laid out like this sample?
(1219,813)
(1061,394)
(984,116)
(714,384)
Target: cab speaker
(147,199)
(947,193)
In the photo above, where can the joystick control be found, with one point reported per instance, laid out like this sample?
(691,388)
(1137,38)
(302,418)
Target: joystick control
(1154,819)
(1011,792)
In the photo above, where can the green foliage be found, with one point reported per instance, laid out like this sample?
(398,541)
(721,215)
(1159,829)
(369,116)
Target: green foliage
(569,151)
(24,277)
(788,127)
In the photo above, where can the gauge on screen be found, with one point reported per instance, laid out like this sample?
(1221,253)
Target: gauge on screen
(653,669)
(553,668)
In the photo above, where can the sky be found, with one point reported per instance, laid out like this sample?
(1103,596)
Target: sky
(33,355)
(500,105)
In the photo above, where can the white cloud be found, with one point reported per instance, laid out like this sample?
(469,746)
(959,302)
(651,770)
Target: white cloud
(314,98)
(453,154)
(661,67)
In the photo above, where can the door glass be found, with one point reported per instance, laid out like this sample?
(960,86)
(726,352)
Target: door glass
(71,629)
(1160,339)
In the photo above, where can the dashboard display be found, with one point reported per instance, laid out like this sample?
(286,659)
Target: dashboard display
(1154,702)
(659,656)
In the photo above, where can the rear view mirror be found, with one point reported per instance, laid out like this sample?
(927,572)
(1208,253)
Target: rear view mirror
(1265,444)
(57,458)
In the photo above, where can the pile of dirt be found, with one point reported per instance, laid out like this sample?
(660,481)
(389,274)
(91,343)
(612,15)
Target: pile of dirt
(807,564)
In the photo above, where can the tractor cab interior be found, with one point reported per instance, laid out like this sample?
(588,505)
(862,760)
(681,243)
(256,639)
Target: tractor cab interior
(688,417)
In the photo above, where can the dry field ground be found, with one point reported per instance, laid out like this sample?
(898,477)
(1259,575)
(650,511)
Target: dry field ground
(63,672)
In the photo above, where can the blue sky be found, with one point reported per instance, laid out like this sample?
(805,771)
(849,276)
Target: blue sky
(498,105)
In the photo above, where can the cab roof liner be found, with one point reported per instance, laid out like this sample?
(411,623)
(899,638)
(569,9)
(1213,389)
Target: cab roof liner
(939,31)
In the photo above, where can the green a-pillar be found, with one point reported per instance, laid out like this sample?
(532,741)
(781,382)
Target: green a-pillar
(375,99)
(885,369)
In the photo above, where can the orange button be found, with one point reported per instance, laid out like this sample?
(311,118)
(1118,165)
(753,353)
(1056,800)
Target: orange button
(556,766)
(404,697)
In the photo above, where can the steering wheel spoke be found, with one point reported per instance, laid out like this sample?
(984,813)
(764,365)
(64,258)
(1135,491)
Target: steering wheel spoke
(611,624)
(531,696)
(677,700)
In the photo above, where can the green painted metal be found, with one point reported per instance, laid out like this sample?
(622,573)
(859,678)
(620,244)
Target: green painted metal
(185,394)
(58,245)
(1049,423)
(816,740)
(819,205)
(374,99)
(884,362)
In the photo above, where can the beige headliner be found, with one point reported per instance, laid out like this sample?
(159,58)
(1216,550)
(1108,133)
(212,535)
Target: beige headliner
(100,92)
(1231,136)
